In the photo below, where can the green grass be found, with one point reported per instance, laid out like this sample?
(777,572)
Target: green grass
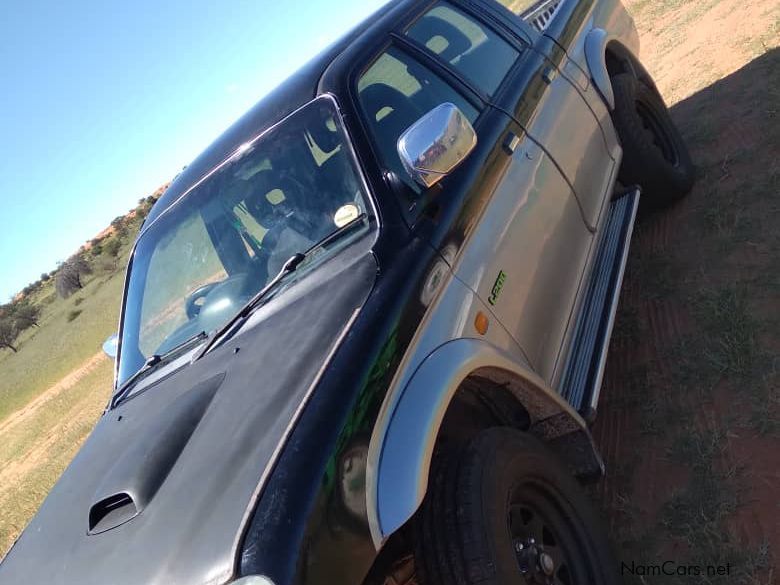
(52,350)
(729,346)
(35,450)
(57,431)
(704,390)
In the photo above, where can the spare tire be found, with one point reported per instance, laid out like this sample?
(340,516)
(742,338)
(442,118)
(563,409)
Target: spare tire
(655,156)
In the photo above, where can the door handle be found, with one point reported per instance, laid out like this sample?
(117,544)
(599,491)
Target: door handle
(510,143)
(549,73)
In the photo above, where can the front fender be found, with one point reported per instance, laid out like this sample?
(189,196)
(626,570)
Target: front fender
(400,455)
(596,56)
(612,27)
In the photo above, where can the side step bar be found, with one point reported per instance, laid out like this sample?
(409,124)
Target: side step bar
(581,382)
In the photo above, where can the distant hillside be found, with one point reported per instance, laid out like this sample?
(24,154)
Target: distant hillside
(117,229)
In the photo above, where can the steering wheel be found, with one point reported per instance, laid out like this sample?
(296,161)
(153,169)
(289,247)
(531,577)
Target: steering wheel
(191,305)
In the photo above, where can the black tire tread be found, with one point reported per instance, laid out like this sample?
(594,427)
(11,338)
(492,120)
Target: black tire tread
(643,163)
(454,546)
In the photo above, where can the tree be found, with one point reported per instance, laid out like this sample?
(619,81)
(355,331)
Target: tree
(120,226)
(25,315)
(8,332)
(44,276)
(112,247)
(69,275)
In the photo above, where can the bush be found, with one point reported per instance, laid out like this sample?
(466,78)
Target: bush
(69,275)
(73,314)
(25,315)
(77,301)
(106,266)
(112,247)
(8,332)
(119,224)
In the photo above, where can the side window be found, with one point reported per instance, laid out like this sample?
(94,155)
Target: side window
(519,7)
(394,93)
(471,48)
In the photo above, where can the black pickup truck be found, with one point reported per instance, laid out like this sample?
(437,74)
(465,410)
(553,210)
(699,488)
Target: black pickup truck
(363,334)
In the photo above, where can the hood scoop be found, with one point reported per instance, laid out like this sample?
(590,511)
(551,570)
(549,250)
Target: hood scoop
(141,469)
(111,512)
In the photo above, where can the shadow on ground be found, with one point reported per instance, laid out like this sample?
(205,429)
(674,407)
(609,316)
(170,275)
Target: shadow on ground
(689,420)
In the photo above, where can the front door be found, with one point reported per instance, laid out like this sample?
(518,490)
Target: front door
(524,243)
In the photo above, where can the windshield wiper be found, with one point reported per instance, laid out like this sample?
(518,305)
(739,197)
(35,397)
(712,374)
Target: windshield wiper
(152,362)
(290,266)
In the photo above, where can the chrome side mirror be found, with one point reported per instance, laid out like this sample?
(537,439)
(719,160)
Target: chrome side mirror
(111,346)
(436,143)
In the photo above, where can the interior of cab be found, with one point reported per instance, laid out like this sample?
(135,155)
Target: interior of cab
(396,90)
(203,259)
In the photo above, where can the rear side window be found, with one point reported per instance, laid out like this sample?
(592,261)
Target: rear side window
(471,48)
(520,6)
(394,93)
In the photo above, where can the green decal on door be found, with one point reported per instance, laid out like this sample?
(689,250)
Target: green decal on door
(497,286)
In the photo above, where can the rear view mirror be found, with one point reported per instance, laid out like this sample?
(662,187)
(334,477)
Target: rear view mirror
(111,346)
(436,143)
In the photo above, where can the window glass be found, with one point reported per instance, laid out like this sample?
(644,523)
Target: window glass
(518,6)
(204,257)
(474,50)
(394,93)
(183,262)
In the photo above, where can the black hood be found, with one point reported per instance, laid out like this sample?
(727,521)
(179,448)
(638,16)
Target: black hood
(160,492)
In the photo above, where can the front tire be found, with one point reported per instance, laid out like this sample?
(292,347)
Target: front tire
(507,512)
(654,154)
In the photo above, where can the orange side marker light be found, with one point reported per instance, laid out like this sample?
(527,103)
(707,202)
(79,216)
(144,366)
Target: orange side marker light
(481,323)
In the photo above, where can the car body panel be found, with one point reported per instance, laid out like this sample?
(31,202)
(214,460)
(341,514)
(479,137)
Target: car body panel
(553,111)
(188,531)
(531,232)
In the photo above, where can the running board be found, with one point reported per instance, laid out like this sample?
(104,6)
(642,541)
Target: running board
(581,382)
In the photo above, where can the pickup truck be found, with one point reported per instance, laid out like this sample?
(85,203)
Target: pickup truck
(362,335)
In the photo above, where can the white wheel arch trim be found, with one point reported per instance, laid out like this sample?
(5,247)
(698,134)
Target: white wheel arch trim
(402,444)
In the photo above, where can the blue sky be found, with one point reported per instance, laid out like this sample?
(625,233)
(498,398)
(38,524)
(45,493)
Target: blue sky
(103,101)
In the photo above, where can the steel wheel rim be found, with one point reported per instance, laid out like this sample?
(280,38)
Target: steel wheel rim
(547,544)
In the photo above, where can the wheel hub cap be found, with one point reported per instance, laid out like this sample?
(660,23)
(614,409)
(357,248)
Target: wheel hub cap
(534,563)
(546,564)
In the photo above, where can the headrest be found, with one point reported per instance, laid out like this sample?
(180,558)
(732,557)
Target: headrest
(377,96)
(429,27)
(326,138)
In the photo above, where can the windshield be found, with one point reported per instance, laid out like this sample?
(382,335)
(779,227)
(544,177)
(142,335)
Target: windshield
(204,257)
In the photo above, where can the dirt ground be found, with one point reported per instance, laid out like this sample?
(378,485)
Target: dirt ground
(24,414)
(38,441)
(689,422)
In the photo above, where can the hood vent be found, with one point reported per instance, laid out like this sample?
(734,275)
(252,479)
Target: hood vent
(131,483)
(111,512)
